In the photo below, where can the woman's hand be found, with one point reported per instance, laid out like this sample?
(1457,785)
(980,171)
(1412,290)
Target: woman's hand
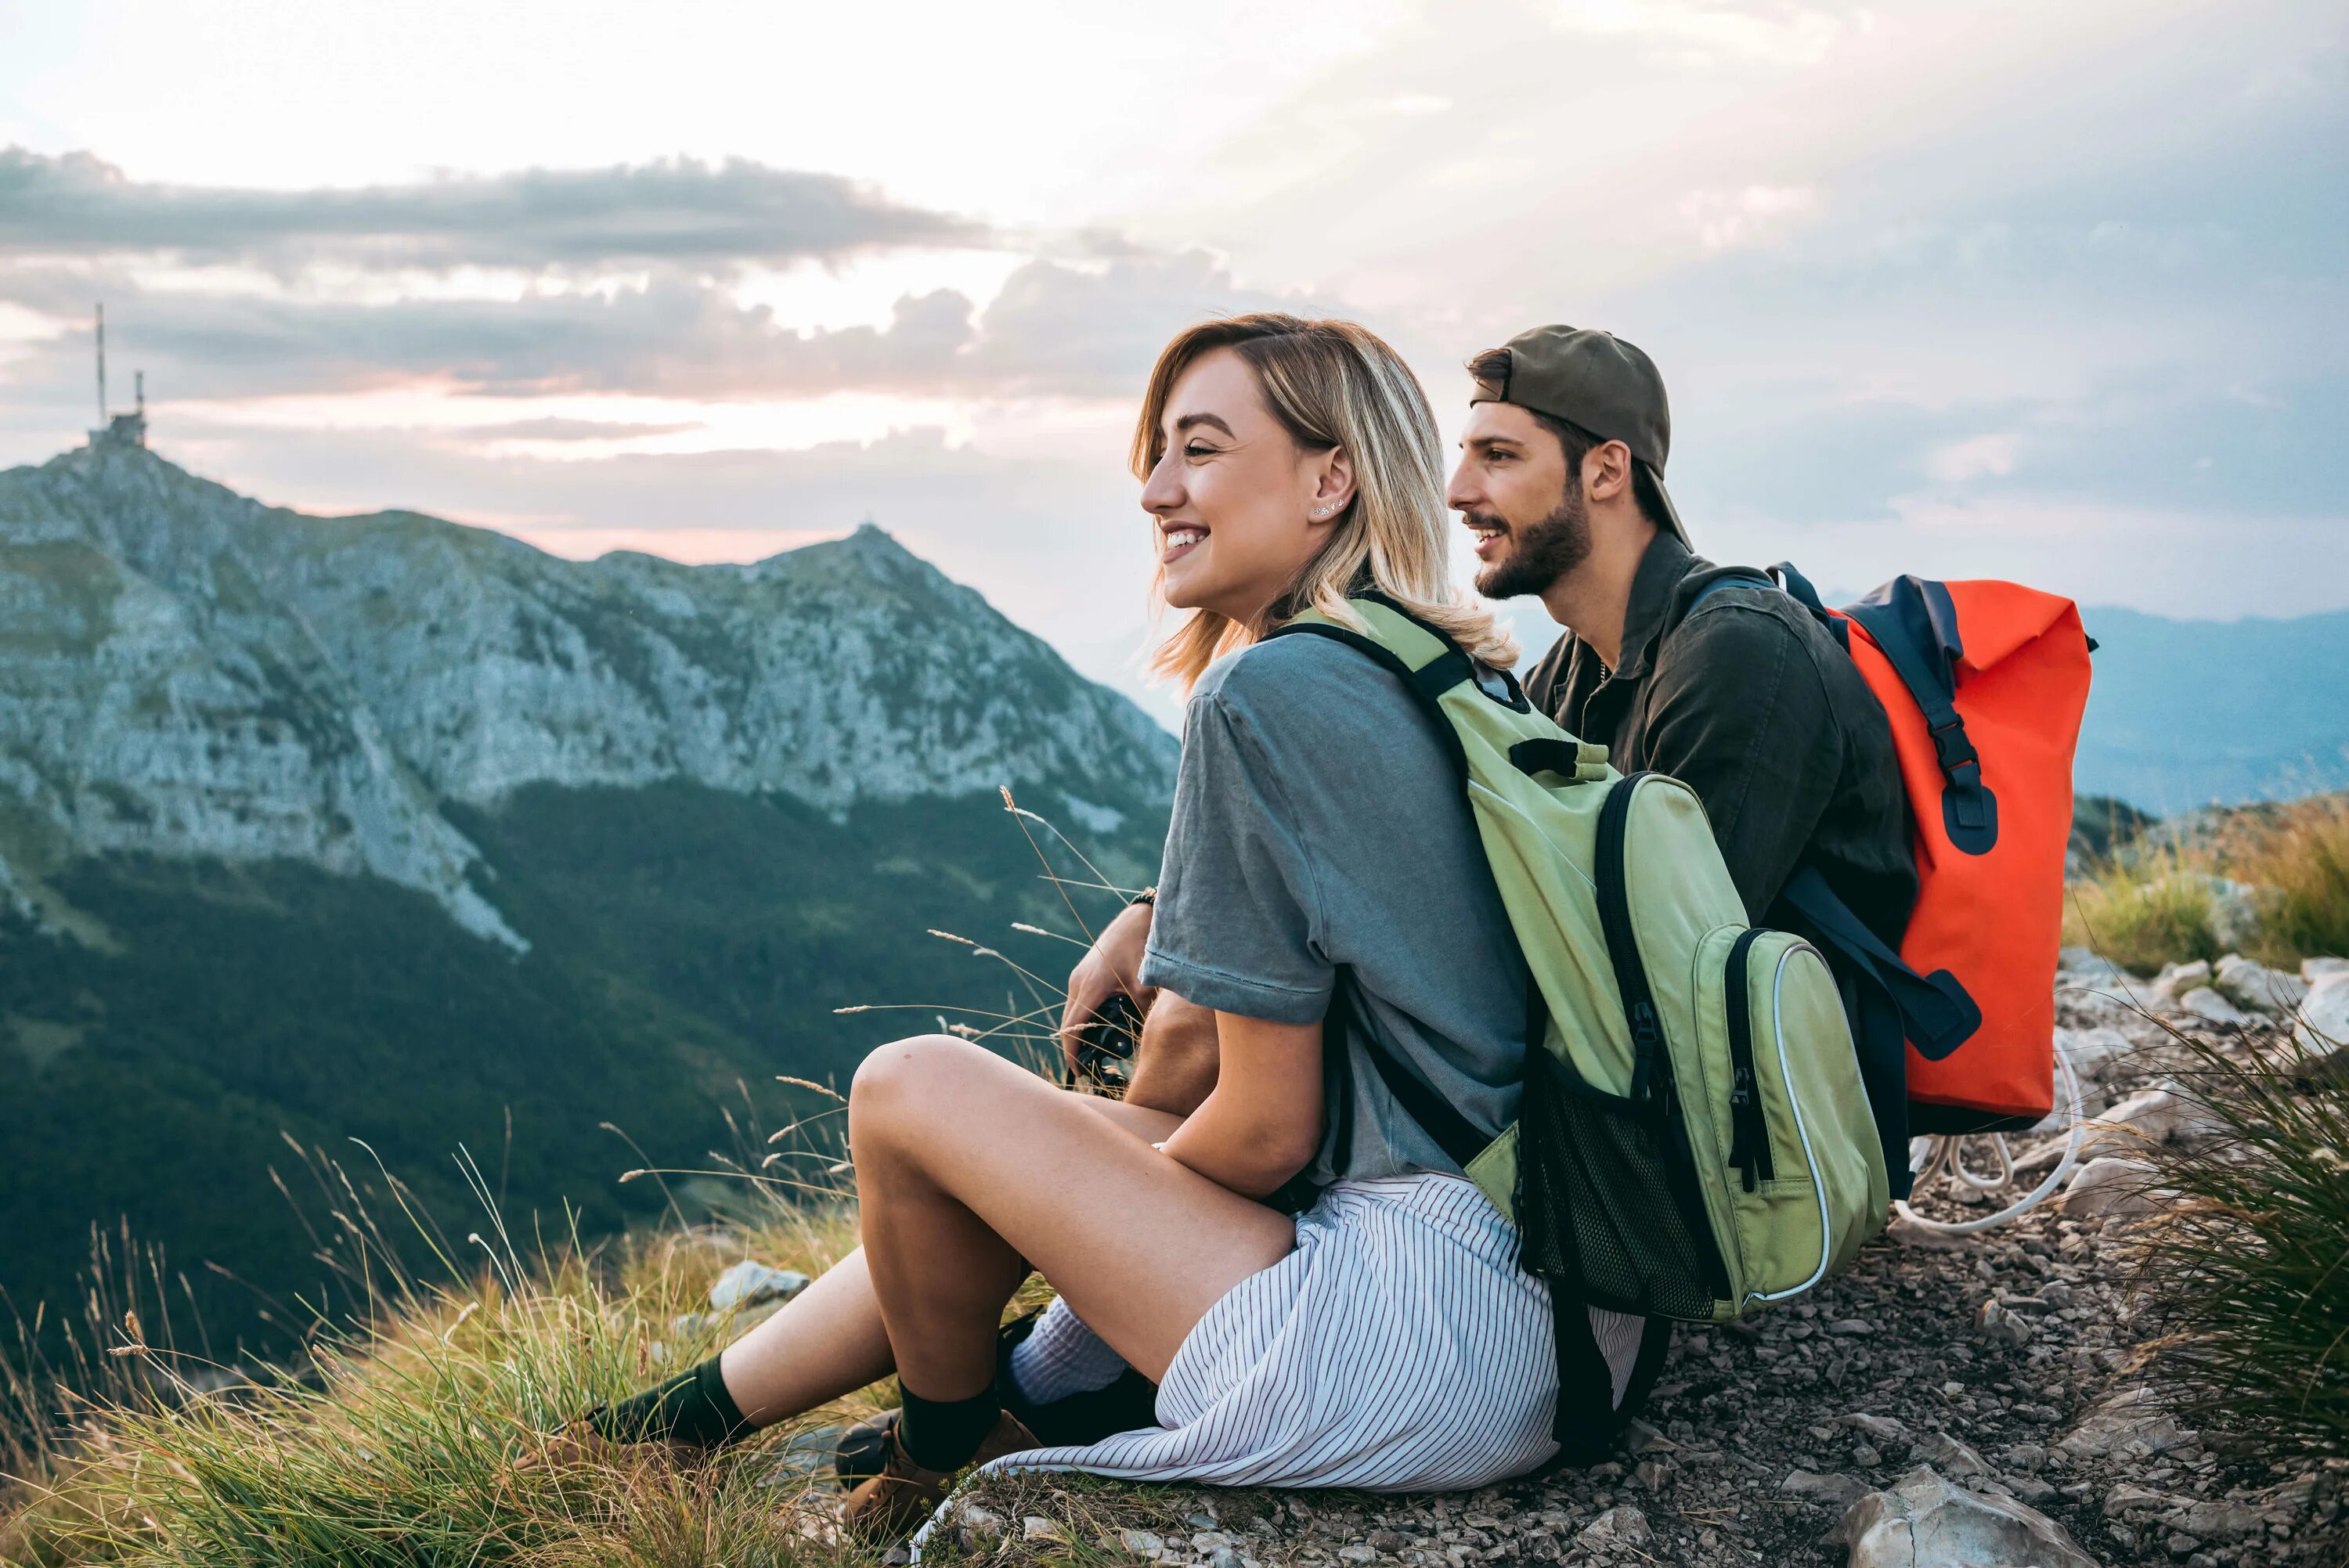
(1262,1124)
(1114,964)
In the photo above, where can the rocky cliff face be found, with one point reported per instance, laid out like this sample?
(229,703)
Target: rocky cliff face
(185,672)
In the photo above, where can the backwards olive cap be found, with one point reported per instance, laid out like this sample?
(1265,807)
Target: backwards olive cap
(1597,383)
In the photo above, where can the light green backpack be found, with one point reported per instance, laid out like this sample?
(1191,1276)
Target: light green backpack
(1694,1141)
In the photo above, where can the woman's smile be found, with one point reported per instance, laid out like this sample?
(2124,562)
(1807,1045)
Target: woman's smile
(1179,541)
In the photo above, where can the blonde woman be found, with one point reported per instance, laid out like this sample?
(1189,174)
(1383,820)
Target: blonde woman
(1320,848)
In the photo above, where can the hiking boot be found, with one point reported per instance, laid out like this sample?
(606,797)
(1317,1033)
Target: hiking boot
(891,1505)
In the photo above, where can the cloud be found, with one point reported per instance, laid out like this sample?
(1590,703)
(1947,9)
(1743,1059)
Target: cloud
(1055,329)
(1726,219)
(677,212)
(1974,458)
(561,429)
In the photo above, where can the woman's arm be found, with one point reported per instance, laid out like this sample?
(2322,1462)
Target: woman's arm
(1262,1122)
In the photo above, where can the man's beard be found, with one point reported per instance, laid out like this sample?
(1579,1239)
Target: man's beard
(1539,553)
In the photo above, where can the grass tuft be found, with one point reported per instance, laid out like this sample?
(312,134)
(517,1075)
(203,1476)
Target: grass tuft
(2251,1266)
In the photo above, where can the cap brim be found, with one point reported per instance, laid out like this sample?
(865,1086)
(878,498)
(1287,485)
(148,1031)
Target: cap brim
(1671,514)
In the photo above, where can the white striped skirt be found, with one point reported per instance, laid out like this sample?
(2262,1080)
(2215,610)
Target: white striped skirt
(1399,1348)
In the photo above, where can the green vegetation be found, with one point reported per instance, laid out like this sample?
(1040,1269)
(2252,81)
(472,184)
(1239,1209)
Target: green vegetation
(407,1437)
(2252,1267)
(2154,897)
(687,947)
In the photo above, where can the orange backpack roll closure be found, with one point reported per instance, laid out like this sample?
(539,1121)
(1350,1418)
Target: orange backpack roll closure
(1984,683)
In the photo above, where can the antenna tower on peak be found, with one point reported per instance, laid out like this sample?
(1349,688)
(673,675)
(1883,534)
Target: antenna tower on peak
(118,430)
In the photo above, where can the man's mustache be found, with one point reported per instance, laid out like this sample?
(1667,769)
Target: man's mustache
(1484,520)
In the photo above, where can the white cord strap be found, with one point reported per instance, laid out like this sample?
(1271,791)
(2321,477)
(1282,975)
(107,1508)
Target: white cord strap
(1944,1155)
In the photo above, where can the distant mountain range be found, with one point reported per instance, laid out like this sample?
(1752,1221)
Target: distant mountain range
(2184,713)
(384,828)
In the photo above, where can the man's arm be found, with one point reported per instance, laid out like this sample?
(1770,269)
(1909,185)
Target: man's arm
(1175,1061)
(1738,711)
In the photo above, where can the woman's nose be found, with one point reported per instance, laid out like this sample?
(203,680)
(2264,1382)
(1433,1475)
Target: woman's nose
(1163,491)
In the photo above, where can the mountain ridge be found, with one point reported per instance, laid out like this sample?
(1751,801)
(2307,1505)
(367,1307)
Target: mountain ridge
(227,678)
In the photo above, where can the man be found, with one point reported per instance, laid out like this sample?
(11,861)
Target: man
(1743,697)
(1675,664)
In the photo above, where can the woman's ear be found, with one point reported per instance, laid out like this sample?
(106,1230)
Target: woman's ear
(1333,487)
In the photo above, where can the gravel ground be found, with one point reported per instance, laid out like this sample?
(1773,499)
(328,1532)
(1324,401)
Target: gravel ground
(2005,1362)
(1761,1435)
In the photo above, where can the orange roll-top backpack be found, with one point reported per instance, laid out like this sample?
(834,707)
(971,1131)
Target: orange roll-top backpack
(1984,683)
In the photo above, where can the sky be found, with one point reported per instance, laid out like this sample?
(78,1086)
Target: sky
(2047,291)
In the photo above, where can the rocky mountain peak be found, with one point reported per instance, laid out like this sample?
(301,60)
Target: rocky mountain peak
(190,671)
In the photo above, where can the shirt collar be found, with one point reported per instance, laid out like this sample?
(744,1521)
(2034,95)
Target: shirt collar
(1667,561)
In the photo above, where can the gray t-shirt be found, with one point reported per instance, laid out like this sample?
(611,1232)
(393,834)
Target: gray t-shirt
(1319,822)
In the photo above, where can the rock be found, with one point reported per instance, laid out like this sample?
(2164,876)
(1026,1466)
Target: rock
(2211,1007)
(2176,979)
(2109,1186)
(1621,1525)
(750,1283)
(2317,970)
(976,1523)
(1950,1456)
(1851,1328)
(1643,1438)
(2322,1023)
(1997,1321)
(2221,1517)
(2091,1051)
(1036,1527)
(2085,967)
(1837,1491)
(1145,1543)
(1357,1552)
(1924,1522)
(2156,1116)
(2130,1425)
(2235,912)
(1920,1237)
(1883,1428)
(2256,986)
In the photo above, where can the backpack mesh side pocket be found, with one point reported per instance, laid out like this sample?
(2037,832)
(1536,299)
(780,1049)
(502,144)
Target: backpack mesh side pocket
(1596,1206)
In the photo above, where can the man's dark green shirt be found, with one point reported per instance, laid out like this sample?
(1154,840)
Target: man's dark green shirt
(1750,702)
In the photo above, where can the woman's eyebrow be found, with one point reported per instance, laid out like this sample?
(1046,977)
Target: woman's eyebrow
(1189,420)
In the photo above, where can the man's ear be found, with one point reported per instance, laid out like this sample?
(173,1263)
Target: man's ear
(1607,472)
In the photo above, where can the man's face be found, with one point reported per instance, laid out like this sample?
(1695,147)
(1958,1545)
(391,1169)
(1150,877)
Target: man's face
(1513,490)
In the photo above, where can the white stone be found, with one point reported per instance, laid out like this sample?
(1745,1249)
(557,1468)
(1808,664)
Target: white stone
(2131,1425)
(2085,967)
(2091,1051)
(1946,1453)
(2208,1006)
(1924,1522)
(1621,1525)
(2322,1023)
(2110,1186)
(2256,986)
(2158,1115)
(750,1283)
(2176,979)
(2313,970)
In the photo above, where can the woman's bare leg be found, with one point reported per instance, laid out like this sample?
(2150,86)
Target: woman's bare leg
(830,1341)
(970,1168)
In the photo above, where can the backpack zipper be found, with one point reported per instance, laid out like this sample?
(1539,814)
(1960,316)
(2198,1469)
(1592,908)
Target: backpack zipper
(1652,1083)
(1750,1143)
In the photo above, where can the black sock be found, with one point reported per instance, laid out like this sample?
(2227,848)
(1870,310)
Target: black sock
(944,1434)
(691,1408)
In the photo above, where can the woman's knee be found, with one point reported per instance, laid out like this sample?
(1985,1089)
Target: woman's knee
(908,1081)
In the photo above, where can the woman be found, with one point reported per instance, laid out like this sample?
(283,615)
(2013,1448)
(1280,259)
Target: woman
(1320,849)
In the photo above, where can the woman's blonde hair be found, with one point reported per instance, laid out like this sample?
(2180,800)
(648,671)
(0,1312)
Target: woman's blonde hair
(1332,385)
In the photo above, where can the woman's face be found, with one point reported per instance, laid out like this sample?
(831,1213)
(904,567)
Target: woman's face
(1241,508)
